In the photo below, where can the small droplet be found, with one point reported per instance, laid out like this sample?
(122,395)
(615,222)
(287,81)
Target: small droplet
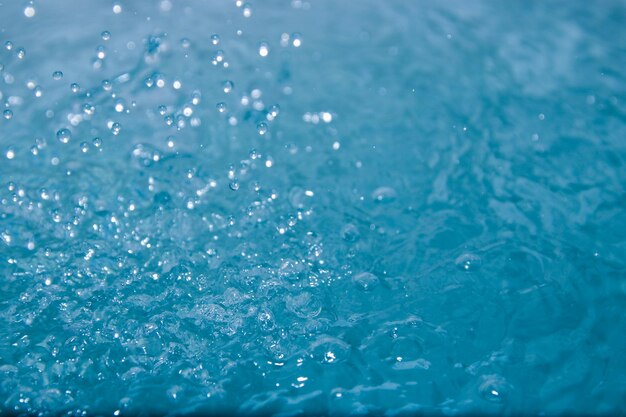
(468,262)
(29,11)
(262,128)
(365,281)
(296,40)
(215,39)
(64,135)
(106,35)
(57,75)
(75,87)
(264,49)
(10,153)
(21,53)
(247,10)
(115,128)
(97,142)
(221,107)
(7,114)
(234,185)
(117,9)
(84,147)
(227,86)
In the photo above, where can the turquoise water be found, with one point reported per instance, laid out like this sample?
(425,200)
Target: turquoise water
(312,207)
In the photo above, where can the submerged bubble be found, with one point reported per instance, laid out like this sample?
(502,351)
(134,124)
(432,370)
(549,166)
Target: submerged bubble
(365,281)
(7,114)
(75,87)
(106,35)
(215,39)
(234,185)
(57,75)
(64,135)
(468,262)
(21,53)
(494,388)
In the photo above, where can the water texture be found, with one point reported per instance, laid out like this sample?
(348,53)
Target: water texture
(312,207)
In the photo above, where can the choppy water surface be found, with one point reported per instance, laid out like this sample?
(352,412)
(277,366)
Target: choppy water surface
(287,207)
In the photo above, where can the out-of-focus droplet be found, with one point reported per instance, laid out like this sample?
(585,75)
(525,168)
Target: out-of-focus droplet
(215,39)
(264,49)
(221,107)
(262,128)
(29,11)
(296,40)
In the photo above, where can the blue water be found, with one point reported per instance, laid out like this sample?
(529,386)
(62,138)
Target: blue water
(329,207)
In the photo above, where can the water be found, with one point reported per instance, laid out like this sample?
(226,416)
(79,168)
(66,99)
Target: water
(301,207)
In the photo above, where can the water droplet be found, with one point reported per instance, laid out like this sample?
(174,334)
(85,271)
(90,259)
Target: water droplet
(29,11)
(88,109)
(264,49)
(84,147)
(247,10)
(7,114)
(215,39)
(365,281)
(468,262)
(106,35)
(296,40)
(228,86)
(262,128)
(10,153)
(117,9)
(97,142)
(64,135)
(234,185)
(221,107)
(21,53)
(57,75)
(75,87)
(116,128)
(350,233)
(38,91)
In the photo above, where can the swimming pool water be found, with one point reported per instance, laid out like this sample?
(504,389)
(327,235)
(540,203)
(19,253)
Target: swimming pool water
(312,207)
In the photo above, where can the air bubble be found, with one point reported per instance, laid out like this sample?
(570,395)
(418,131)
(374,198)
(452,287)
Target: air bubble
(84,147)
(29,11)
(10,153)
(215,39)
(262,128)
(7,114)
(57,75)
(384,195)
(106,35)
(64,135)
(21,53)
(75,87)
(234,185)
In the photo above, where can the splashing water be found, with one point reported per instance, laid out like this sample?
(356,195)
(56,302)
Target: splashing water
(312,207)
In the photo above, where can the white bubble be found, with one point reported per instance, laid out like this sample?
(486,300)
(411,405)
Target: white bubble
(117,9)
(29,11)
